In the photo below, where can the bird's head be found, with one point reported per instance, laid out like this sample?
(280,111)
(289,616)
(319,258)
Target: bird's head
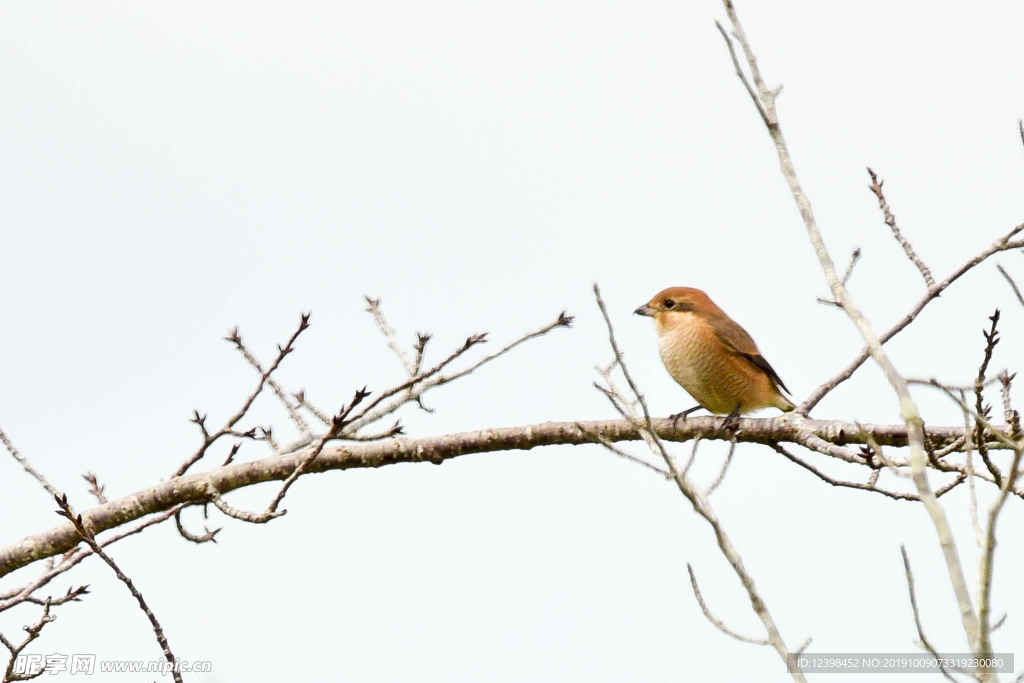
(677,302)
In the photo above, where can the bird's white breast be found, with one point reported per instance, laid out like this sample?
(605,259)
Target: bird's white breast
(685,351)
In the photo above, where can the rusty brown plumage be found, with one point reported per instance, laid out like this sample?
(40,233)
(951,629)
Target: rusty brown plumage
(711,356)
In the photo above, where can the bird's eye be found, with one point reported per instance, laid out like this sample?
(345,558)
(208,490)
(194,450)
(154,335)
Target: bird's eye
(669,303)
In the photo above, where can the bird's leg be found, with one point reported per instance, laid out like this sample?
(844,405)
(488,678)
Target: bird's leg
(684,414)
(732,420)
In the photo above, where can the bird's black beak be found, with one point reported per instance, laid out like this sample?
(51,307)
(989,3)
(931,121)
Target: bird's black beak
(645,310)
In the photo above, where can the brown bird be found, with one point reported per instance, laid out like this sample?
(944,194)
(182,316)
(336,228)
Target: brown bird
(711,356)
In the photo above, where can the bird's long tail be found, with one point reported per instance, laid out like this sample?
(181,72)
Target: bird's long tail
(783,403)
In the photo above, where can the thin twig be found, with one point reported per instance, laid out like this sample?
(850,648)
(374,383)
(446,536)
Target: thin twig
(917,614)
(692,493)
(895,495)
(721,473)
(743,76)
(300,397)
(717,623)
(395,430)
(693,456)
(373,307)
(1002,244)
(981,410)
(597,438)
(908,408)
(207,536)
(90,540)
(1010,416)
(969,464)
(854,258)
(15,650)
(1000,435)
(890,220)
(95,488)
(235,338)
(1013,284)
(421,345)
(952,386)
(72,595)
(416,386)
(25,464)
(293,413)
(24,594)
(999,624)
(988,556)
(338,424)
(951,448)
(876,448)
(244,515)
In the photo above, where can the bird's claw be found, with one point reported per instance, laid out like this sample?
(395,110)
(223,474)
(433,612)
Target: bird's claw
(732,420)
(682,414)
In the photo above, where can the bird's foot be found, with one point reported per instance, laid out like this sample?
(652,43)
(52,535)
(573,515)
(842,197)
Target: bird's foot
(732,420)
(683,415)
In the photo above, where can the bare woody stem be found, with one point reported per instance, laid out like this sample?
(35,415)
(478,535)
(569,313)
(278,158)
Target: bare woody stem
(890,220)
(195,488)
(908,408)
(90,539)
(1004,243)
(697,498)
(988,557)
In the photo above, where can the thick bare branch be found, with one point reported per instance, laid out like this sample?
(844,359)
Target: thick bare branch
(193,488)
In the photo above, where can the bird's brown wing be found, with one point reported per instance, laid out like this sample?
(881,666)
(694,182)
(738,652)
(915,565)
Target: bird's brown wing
(736,339)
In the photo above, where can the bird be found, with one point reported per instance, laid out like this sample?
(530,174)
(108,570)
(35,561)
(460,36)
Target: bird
(711,356)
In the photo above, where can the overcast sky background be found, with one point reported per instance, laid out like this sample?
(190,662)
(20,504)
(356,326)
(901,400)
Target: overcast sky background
(167,173)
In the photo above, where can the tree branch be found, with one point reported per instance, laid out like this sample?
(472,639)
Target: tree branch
(436,449)
(890,220)
(1004,243)
(908,408)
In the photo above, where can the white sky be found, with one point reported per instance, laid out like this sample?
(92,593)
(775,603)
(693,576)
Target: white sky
(165,175)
